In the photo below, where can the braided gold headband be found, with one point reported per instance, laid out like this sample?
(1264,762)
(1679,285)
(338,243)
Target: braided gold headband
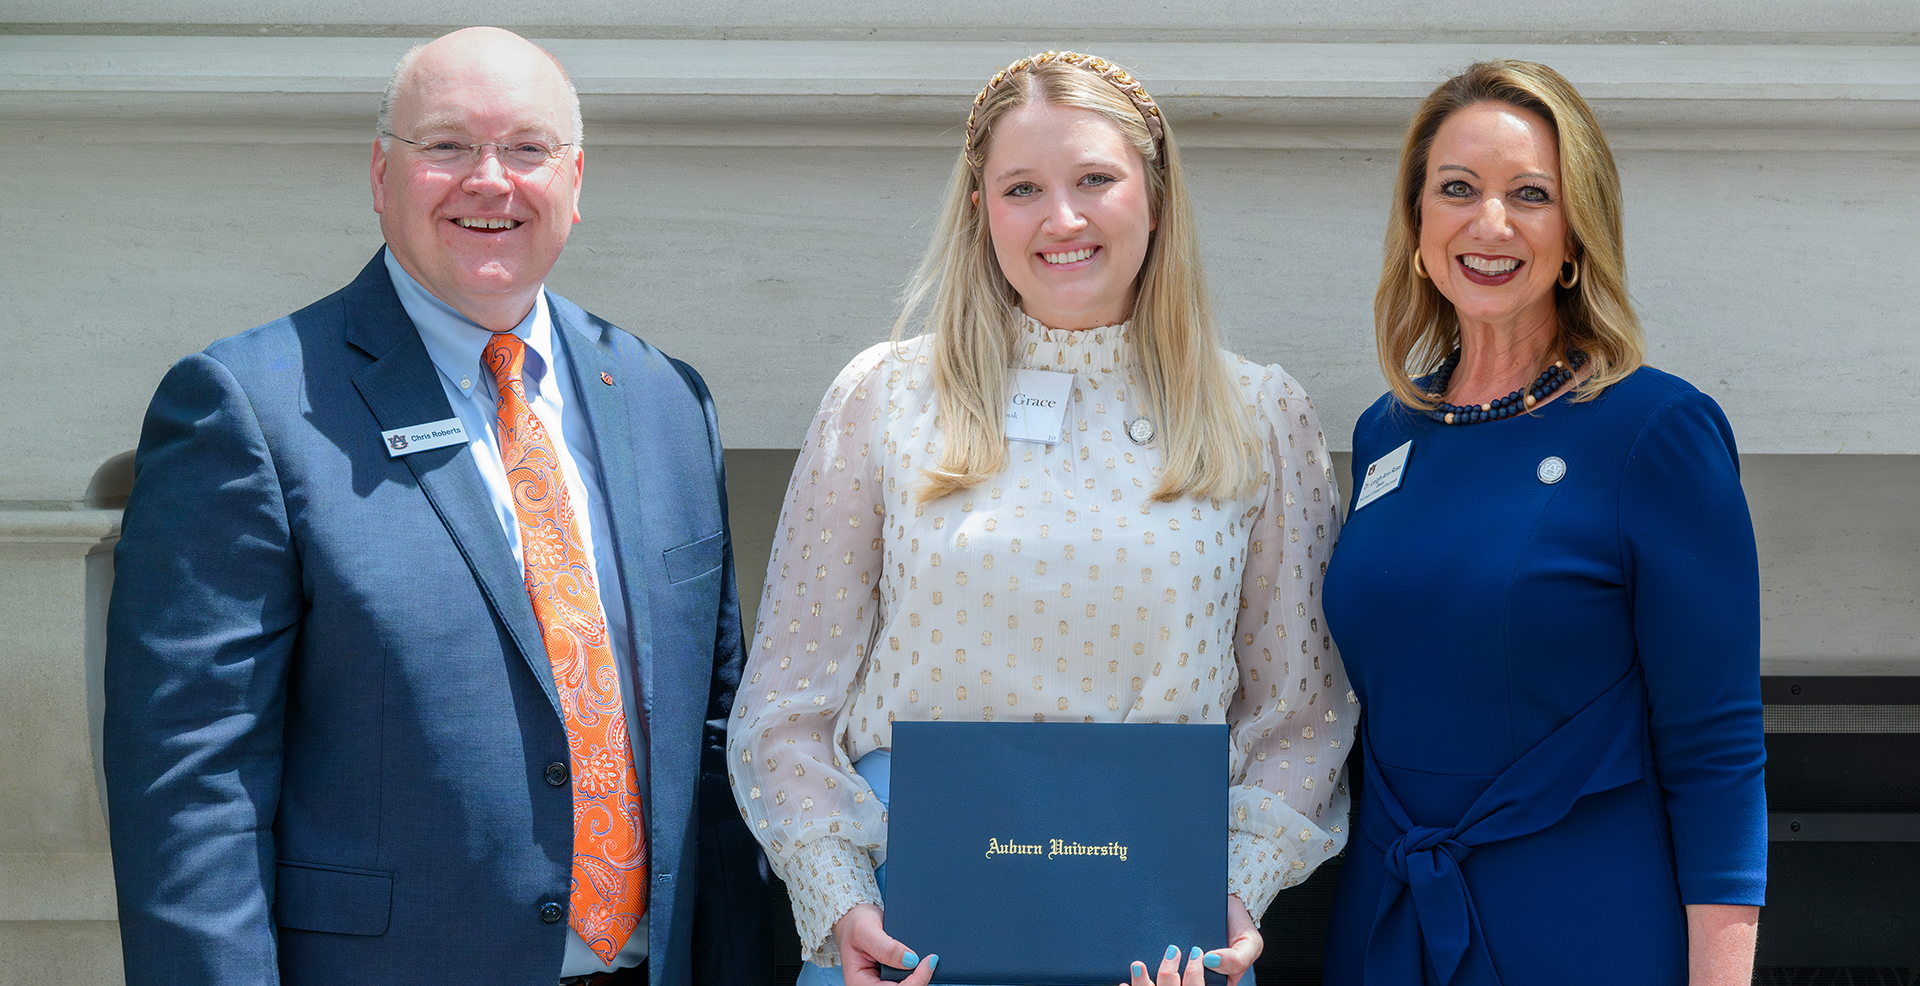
(1114,76)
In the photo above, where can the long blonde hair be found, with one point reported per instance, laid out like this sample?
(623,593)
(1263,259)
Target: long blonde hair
(1415,326)
(1206,445)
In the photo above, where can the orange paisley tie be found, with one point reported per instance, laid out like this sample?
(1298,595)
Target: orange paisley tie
(609,852)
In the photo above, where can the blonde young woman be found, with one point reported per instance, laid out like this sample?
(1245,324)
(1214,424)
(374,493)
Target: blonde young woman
(1548,593)
(1155,559)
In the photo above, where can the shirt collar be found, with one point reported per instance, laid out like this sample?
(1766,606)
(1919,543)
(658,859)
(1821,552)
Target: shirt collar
(1099,350)
(455,342)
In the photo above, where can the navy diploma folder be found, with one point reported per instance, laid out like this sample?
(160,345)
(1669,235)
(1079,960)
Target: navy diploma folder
(1055,854)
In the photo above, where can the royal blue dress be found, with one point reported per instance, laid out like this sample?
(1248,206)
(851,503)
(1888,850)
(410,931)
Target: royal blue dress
(1558,670)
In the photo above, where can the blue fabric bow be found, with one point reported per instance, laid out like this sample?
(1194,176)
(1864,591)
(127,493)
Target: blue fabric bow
(1426,913)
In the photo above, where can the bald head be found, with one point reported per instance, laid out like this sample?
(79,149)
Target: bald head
(505,53)
(479,230)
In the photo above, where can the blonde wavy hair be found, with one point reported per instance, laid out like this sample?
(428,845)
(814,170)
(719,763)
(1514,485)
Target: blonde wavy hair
(1415,326)
(1206,444)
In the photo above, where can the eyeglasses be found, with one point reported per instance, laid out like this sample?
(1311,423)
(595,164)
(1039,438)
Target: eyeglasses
(525,154)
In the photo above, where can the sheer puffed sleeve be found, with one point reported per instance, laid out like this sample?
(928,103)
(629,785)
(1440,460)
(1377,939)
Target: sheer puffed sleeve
(1694,582)
(821,824)
(1293,715)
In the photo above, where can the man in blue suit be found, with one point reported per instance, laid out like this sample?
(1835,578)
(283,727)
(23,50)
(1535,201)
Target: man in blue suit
(336,751)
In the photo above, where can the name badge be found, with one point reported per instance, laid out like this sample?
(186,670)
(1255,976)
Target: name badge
(1383,476)
(1037,411)
(420,438)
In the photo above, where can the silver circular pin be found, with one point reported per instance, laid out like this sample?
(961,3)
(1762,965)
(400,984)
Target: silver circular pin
(1552,470)
(1140,430)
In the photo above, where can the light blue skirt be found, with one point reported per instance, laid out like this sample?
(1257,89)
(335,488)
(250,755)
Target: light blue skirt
(876,769)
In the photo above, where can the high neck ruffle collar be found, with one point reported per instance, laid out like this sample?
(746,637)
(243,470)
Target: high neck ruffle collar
(1098,350)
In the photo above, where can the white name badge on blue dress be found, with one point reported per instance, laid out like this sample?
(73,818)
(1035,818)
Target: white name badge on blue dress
(1383,476)
(1037,409)
(421,437)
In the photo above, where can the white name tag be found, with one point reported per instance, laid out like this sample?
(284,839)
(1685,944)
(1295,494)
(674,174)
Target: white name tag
(1383,476)
(1037,410)
(420,438)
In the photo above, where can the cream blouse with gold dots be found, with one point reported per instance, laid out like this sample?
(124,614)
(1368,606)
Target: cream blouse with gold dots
(1056,591)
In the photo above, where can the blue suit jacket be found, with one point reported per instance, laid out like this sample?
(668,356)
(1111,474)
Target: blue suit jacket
(329,712)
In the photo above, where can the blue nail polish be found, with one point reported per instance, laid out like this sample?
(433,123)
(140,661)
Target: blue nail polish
(1140,969)
(1173,953)
(1212,961)
(1195,957)
(909,960)
(933,961)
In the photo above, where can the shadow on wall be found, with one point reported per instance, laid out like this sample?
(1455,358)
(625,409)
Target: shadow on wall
(111,483)
(107,491)
(756,487)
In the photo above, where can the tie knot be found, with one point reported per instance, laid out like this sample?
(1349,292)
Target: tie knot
(505,355)
(1420,839)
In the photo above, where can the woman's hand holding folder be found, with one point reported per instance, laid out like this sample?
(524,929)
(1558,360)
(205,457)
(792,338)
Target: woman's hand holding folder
(865,946)
(1243,947)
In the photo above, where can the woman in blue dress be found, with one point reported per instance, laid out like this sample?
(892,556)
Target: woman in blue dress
(1546,593)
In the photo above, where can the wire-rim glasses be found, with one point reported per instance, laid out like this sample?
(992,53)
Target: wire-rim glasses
(522,154)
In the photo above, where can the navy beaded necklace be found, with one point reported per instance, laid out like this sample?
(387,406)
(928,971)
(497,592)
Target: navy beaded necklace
(1545,385)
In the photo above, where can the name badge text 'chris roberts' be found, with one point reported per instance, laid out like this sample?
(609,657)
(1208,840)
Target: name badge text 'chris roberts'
(1054,848)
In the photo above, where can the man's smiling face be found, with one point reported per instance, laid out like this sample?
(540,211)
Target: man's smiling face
(481,234)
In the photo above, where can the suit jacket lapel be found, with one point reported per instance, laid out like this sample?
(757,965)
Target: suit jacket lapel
(401,387)
(608,407)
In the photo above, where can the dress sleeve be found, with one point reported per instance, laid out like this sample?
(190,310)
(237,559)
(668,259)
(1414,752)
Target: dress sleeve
(1293,715)
(821,825)
(1694,582)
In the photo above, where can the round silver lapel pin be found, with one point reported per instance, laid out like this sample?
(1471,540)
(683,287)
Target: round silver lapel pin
(1140,430)
(1552,470)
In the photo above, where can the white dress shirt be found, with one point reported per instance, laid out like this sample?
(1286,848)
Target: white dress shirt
(1057,590)
(455,343)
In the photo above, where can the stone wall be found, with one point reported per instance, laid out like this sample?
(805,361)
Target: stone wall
(760,182)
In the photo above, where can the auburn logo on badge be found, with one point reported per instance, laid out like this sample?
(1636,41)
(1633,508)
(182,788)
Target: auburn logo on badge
(397,442)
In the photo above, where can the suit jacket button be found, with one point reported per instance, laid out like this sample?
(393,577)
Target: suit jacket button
(551,912)
(556,774)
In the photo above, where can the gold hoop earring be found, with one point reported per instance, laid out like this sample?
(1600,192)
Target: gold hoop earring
(1566,281)
(1420,268)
